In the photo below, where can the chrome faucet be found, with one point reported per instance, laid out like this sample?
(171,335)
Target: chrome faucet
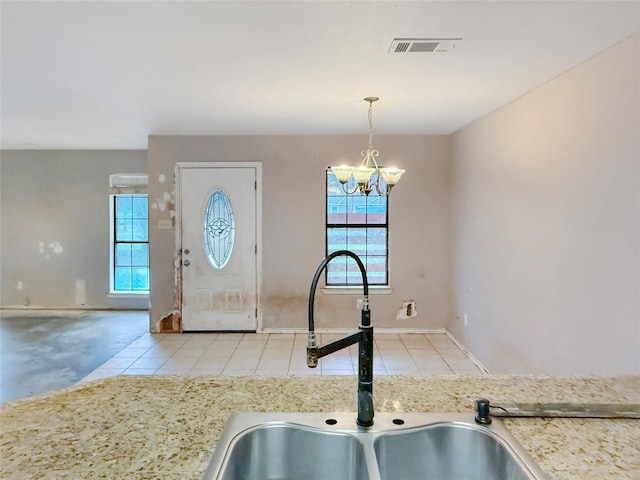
(364,338)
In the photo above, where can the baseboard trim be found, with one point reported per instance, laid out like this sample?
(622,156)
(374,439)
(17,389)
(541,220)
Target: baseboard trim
(467,353)
(70,308)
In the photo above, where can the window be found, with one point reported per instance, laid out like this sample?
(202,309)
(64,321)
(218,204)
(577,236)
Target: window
(130,243)
(358,223)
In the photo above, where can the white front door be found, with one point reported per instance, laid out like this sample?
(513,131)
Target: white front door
(218,229)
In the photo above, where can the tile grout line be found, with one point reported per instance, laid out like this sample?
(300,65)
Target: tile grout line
(440,354)
(231,355)
(264,347)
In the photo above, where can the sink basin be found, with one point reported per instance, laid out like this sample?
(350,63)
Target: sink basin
(399,446)
(447,451)
(281,451)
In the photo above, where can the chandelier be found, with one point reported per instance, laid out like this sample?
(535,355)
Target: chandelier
(368,174)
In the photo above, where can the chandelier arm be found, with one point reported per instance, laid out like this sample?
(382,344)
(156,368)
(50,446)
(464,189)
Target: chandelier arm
(374,154)
(365,158)
(369,156)
(346,189)
(382,193)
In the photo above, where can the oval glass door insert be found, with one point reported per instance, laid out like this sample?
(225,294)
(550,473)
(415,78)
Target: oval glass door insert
(219,229)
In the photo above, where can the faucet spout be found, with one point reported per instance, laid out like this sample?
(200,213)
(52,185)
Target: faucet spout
(364,338)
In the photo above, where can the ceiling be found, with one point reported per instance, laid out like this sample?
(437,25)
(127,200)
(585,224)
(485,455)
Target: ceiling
(105,75)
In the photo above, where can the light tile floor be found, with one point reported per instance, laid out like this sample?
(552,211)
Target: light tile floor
(282,354)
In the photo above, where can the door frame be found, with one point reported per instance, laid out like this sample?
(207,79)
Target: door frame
(179,168)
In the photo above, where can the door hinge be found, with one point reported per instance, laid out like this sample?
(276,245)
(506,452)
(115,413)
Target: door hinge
(256,249)
(255,185)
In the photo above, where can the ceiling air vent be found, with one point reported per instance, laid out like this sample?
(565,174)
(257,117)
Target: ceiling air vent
(439,45)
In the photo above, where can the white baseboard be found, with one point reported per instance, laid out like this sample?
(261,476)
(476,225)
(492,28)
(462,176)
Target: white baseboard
(68,307)
(467,352)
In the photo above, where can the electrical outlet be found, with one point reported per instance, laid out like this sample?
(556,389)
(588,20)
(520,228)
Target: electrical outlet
(466,319)
(19,285)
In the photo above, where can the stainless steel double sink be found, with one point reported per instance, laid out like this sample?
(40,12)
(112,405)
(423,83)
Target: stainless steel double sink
(399,446)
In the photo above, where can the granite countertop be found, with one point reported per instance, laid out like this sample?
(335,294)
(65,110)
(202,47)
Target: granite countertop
(165,427)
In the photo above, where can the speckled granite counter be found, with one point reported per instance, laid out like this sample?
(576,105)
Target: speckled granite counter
(165,428)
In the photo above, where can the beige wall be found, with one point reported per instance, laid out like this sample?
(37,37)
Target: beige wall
(55,226)
(546,222)
(293,224)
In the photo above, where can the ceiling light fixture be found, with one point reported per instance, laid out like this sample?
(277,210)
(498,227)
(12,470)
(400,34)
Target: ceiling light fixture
(368,175)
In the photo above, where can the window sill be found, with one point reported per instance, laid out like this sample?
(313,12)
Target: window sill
(357,290)
(128,294)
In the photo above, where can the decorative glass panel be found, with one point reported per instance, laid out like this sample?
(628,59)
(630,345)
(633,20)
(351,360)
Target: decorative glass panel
(219,229)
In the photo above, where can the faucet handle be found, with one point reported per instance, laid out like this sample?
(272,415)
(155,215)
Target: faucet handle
(312,351)
(312,357)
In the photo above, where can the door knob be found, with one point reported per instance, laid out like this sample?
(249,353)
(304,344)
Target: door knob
(186,263)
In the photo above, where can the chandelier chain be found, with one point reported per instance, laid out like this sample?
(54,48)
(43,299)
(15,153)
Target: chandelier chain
(370,124)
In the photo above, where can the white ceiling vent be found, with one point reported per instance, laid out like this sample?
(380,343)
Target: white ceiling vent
(438,45)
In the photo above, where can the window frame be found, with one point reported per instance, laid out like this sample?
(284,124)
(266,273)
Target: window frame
(355,287)
(112,248)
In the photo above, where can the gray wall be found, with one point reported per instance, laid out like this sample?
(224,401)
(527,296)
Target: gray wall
(55,226)
(293,224)
(546,225)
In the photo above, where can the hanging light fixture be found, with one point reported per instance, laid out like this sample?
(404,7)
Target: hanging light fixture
(368,174)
